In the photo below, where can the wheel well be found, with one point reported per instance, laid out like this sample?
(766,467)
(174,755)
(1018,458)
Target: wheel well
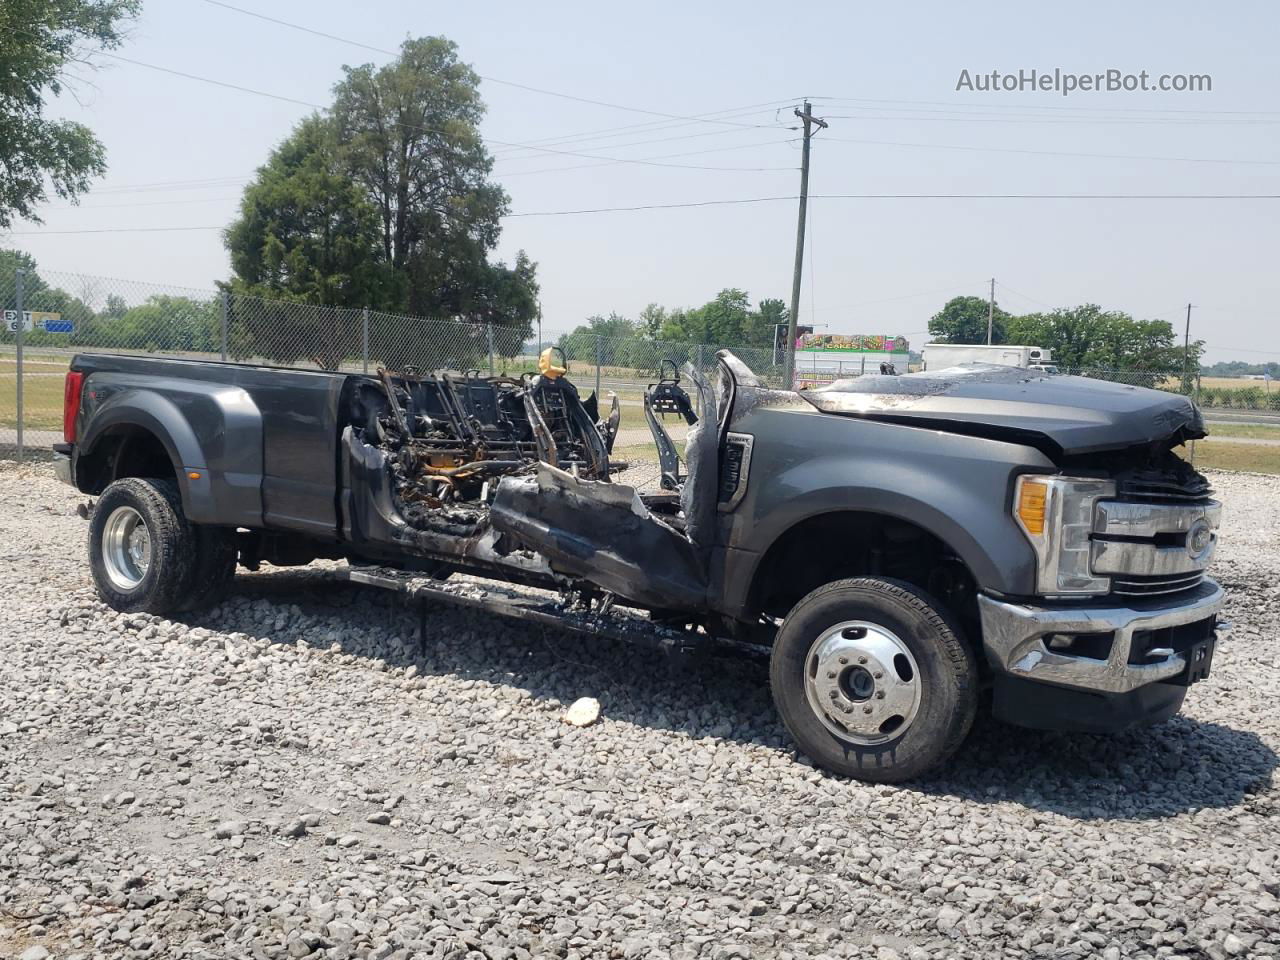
(125,450)
(834,546)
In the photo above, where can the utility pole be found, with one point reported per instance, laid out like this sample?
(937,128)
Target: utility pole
(811,123)
(1186,348)
(991,310)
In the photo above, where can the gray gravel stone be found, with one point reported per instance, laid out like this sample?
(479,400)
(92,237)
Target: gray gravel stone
(267,743)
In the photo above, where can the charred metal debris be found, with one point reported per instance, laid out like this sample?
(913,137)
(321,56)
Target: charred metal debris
(449,438)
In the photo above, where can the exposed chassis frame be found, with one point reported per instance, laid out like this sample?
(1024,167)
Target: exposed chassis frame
(614,622)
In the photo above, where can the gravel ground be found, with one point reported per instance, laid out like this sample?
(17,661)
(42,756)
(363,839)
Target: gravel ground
(285,777)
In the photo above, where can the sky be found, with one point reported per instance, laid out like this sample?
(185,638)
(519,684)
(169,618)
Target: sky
(883,75)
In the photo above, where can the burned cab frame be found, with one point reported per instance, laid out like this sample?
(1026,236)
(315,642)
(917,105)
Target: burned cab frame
(513,476)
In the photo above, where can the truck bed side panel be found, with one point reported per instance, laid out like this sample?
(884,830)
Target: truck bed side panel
(264,438)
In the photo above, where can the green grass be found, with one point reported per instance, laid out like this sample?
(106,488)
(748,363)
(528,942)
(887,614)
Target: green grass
(41,402)
(1223,455)
(1250,431)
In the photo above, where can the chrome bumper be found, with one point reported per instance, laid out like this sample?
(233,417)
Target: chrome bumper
(1014,639)
(62,467)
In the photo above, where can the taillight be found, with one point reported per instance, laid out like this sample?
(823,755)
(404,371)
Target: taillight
(71,404)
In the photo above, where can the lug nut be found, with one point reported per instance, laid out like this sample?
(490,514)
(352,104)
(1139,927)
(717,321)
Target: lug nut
(879,694)
(877,675)
(834,694)
(862,659)
(844,659)
(866,709)
(831,674)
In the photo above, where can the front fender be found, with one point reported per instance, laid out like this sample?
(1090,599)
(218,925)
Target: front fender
(956,487)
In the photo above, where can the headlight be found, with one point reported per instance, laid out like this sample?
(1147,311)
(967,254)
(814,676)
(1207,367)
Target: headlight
(1056,514)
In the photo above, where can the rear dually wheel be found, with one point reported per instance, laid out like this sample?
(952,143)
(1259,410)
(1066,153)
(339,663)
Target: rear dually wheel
(141,548)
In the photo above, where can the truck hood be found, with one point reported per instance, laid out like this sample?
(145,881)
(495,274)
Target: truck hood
(1062,415)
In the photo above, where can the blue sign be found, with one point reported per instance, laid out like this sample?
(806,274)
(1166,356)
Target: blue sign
(59,326)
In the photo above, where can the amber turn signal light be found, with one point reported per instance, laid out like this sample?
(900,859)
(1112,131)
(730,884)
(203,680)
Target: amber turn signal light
(1032,495)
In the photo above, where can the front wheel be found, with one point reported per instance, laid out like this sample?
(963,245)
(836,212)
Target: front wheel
(872,680)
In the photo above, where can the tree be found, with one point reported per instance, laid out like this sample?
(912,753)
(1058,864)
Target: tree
(722,321)
(11,261)
(964,320)
(763,323)
(507,298)
(306,231)
(607,338)
(409,135)
(39,40)
(651,319)
(165,324)
(382,201)
(1099,341)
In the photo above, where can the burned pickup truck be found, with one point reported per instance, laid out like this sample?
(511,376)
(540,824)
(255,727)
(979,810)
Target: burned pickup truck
(897,545)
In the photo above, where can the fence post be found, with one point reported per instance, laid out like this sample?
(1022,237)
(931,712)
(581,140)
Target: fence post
(17,339)
(226,313)
(1196,400)
(488,335)
(699,360)
(599,355)
(364,337)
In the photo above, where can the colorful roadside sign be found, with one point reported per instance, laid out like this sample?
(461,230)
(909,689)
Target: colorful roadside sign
(852,343)
(44,320)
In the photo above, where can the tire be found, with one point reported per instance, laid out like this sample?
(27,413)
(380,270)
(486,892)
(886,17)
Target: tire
(214,568)
(902,699)
(142,550)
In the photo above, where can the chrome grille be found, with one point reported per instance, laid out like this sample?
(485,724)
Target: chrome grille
(1154,547)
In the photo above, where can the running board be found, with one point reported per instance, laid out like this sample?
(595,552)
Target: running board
(616,623)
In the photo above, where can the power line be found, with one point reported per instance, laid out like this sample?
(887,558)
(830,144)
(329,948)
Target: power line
(507,83)
(130,206)
(689,153)
(633,143)
(650,206)
(1004,286)
(653,126)
(412,127)
(1047,196)
(174,184)
(45,233)
(1044,153)
(1073,121)
(950,288)
(754,200)
(1049,106)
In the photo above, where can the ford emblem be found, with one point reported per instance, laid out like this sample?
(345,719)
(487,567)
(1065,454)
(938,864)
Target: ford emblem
(1199,539)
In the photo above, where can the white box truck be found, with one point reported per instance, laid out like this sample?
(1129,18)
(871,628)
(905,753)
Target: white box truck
(937,356)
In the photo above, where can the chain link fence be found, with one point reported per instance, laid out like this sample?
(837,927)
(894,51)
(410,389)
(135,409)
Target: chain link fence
(50,316)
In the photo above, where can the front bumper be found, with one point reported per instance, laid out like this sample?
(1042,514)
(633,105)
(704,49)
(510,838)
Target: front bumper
(1015,640)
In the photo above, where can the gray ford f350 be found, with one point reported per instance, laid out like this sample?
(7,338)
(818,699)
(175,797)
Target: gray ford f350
(898,545)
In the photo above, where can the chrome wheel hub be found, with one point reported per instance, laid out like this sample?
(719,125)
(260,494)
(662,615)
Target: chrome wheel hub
(862,682)
(126,548)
